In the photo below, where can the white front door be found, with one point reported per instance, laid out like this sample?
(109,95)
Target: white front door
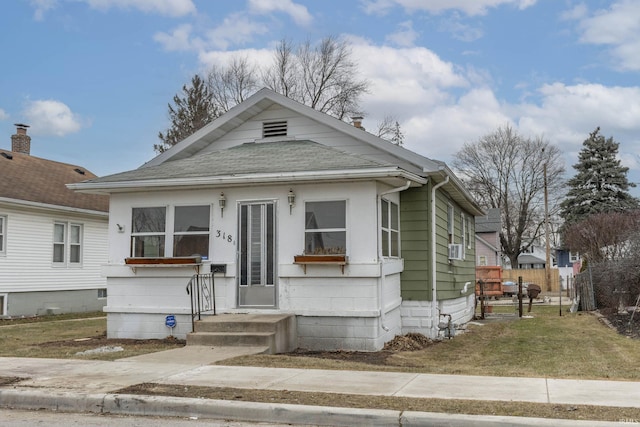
(257,249)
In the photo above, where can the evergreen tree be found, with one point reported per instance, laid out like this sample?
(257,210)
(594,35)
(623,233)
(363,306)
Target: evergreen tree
(190,112)
(600,184)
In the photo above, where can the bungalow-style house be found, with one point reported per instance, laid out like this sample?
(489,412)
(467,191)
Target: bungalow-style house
(488,248)
(53,241)
(296,213)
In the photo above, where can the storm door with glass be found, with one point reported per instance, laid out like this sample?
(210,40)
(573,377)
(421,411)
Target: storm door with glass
(257,240)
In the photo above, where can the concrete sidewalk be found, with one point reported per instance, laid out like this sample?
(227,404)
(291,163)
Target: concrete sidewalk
(89,386)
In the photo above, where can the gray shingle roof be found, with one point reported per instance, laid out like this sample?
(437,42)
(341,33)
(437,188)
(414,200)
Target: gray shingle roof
(490,223)
(250,158)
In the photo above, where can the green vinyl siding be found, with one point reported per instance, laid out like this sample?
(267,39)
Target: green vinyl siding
(415,221)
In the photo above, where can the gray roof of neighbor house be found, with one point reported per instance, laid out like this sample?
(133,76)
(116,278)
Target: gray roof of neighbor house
(489,223)
(24,178)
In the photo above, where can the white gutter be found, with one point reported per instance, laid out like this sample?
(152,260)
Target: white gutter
(434,298)
(242,179)
(380,258)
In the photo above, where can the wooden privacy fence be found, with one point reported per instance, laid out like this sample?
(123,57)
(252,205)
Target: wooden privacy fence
(536,276)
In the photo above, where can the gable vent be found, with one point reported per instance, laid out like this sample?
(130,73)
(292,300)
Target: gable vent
(278,128)
(6,155)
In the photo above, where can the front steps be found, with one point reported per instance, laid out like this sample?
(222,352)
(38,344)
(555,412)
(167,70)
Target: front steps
(276,332)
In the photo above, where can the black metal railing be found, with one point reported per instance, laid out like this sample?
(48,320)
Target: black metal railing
(203,297)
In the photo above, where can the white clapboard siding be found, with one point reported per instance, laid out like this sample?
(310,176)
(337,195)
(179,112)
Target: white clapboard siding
(27,265)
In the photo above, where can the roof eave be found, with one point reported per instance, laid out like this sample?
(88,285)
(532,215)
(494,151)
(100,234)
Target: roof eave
(252,179)
(50,207)
(455,187)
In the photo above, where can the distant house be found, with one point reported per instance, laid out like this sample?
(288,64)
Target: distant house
(295,212)
(488,248)
(535,257)
(53,241)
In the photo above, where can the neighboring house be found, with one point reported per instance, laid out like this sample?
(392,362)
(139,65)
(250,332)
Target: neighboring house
(488,248)
(535,257)
(53,241)
(568,264)
(295,212)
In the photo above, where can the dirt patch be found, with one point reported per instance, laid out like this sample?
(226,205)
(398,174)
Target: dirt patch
(103,341)
(409,342)
(625,323)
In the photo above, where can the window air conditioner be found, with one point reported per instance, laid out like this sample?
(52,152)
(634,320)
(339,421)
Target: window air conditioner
(455,251)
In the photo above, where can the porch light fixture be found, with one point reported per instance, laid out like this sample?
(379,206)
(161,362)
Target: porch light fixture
(223,201)
(291,197)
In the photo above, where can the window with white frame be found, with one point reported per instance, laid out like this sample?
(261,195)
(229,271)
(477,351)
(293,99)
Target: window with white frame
(450,224)
(463,234)
(148,232)
(574,256)
(325,230)
(467,232)
(67,243)
(3,235)
(187,235)
(390,224)
(482,260)
(191,231)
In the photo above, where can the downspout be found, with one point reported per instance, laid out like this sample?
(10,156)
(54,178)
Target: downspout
(382,281)
(434,299)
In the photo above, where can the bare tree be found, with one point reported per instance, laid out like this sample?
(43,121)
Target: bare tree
(282,75)
(322,76)
(389,129)
(610,244)
(232,84)
(505,170)
(604,236)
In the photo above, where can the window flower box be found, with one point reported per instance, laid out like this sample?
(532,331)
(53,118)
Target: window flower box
(187,261)
(304,260)
(163,260)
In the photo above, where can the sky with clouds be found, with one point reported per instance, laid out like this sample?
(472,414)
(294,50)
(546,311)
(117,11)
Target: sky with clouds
(93,77)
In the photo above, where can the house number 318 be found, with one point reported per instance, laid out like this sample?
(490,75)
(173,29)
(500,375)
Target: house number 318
(224,236)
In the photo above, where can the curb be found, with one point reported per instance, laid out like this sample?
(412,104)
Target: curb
(163,406)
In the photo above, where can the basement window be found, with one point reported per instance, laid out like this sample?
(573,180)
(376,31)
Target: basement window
(271,129)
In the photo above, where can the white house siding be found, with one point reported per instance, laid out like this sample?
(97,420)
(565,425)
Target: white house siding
(29,280)
(416,315)
(323,297)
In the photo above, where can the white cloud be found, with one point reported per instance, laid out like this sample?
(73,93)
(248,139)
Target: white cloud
(405,36)
(258,57)
(3,114)
(469,7)
(51,117)
(179,39)
(174,8)
(41,7)
(236,29)
(297,12)
(617,27)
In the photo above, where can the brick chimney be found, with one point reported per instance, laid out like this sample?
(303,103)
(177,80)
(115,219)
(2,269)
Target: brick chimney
(357,122)
(21,142)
